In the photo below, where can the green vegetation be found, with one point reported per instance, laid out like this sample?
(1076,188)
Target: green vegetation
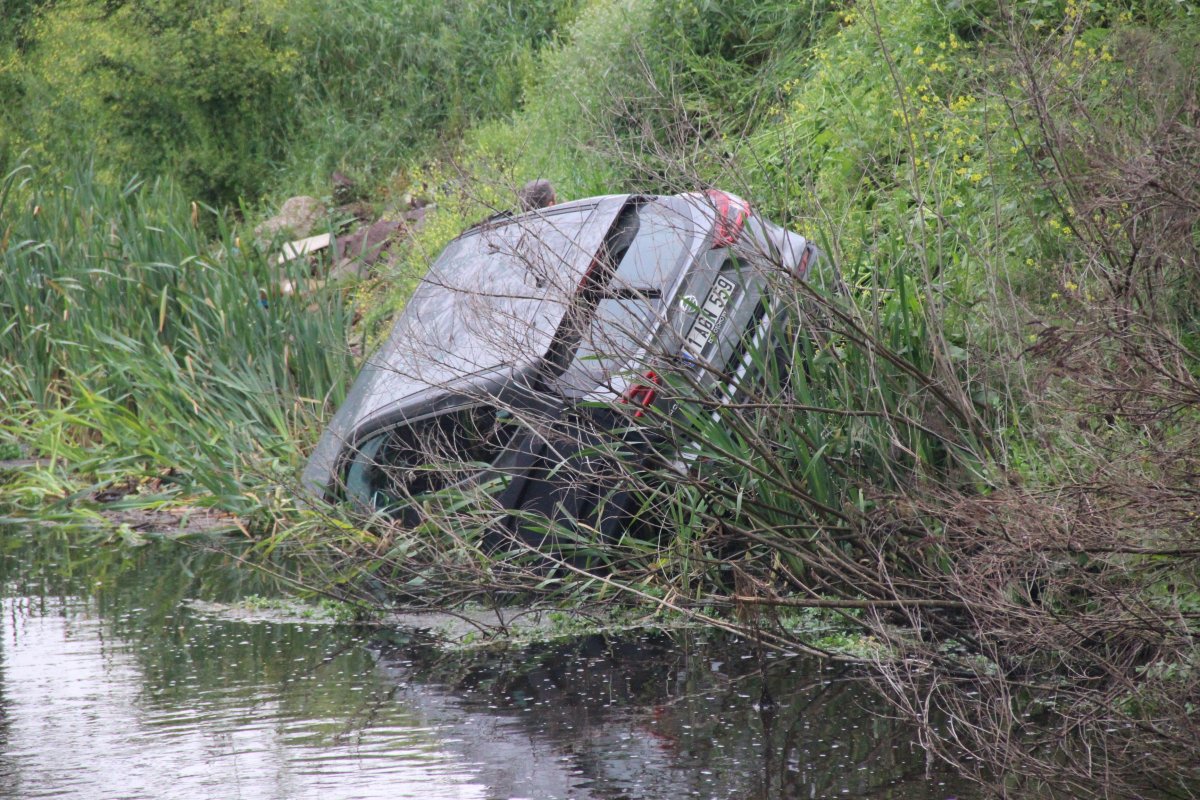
(237,99)
(138,344)
(983,459)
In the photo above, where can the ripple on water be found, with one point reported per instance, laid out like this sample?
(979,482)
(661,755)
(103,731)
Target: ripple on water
(128,704)
(80,721)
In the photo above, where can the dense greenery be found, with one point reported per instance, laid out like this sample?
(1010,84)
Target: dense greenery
(233,99)
(985,455)
(135,342)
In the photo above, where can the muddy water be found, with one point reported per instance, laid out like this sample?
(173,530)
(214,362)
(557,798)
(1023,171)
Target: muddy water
(112,686)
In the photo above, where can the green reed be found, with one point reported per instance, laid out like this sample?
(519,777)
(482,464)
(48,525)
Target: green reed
(141,324)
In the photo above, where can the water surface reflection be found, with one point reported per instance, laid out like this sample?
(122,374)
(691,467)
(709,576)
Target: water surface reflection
(121,691)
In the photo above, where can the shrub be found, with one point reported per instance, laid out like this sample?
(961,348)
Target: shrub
(232,98)
(153,86)
(382,81)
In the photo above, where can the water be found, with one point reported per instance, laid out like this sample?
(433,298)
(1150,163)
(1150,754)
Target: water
(111,687)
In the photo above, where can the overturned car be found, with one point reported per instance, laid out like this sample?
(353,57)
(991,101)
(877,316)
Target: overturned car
(535,342)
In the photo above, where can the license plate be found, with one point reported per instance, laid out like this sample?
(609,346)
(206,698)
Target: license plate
(711,316)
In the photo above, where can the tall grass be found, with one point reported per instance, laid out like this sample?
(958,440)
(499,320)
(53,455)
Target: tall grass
(139,326)
(983,453)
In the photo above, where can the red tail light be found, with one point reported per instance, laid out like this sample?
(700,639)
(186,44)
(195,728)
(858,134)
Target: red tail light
(732,213)
(801,268)
(642,394)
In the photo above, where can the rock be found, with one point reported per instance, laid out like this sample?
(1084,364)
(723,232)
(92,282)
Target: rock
(415,216)
(359,210)
(366,244)
(357,251)
(295,219)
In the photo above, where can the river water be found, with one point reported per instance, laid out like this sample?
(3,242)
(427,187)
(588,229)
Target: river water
(113,686)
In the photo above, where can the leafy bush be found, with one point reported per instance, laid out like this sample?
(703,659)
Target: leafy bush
(149,86)
(381,81)
(234,98)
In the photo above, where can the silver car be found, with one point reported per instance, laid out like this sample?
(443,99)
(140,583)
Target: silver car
(536,341)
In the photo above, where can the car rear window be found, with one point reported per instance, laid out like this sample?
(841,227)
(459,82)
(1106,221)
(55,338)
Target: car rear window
(657,251)
(621,328)
(631,300)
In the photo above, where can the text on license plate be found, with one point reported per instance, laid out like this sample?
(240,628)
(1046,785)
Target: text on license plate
(711,315)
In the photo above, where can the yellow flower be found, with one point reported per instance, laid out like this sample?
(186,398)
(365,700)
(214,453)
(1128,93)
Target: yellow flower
(918,50)
(1070,286)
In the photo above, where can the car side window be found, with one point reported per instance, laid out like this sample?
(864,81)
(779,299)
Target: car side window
(434,453)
